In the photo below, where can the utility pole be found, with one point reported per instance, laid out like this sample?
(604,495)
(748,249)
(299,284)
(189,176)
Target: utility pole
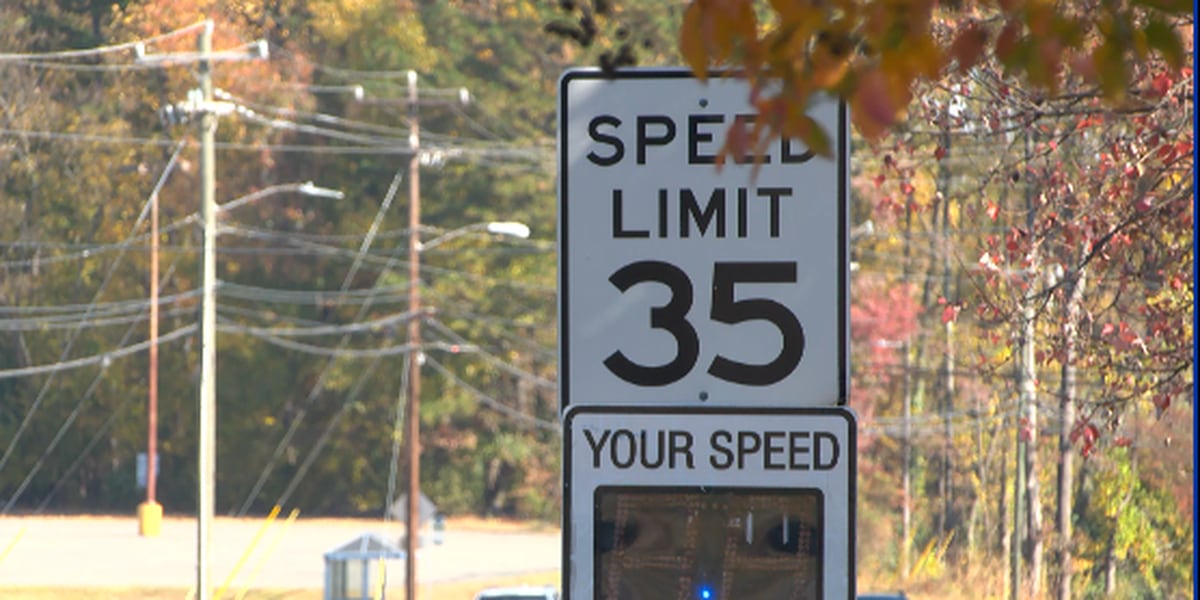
(413,413)
(206,458)
(150,511)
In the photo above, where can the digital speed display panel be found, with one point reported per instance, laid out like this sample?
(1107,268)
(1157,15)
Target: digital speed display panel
(710,503)
(706,543)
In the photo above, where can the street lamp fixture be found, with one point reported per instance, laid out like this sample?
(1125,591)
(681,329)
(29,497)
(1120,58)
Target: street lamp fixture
(507,228)
(511,228)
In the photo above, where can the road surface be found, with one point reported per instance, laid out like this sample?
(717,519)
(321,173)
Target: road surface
(108,552)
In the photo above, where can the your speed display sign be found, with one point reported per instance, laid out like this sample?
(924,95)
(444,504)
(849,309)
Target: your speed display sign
(682,283)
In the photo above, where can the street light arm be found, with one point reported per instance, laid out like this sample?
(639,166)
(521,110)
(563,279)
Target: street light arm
(307,188)
(508,228)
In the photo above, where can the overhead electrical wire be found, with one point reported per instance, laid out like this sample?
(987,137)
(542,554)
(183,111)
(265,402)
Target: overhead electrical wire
(342,352)
(319,386)
(397,435)
(394,133)
(118,307)
(87,361)
(69,321)
(54,369)
(326,433)
(495,361)
(99,50)
(74,414)
(490,402)
(367,297)
(101,433)
(484,156)
(372,326)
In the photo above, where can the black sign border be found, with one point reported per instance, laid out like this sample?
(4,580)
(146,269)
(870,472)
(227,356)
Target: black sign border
(842,255)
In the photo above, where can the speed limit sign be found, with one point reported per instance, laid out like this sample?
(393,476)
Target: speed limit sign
(682,283)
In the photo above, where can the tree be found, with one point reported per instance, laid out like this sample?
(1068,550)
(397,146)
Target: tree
(871,53)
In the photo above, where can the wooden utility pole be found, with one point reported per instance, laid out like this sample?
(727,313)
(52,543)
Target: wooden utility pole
(207,466)
(412,523)
(150,512)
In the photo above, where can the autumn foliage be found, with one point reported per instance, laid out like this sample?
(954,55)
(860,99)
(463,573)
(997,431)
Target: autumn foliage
(871,53)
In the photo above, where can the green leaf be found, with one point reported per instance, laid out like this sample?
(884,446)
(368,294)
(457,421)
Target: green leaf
(1163,38)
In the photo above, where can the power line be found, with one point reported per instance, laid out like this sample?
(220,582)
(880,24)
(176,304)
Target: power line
(492,402)
(103,308)
(69,321)
(372,326)
(62,430)
(323,439)
(55,369)
(341,352)
(319,386)
(101,433)
(99,50)
(493,360)
(95,359)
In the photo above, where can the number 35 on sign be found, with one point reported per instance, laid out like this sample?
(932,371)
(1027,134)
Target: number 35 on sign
(684,284)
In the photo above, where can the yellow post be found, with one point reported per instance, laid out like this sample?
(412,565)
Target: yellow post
(269,551)
(380,578)
(149,519)
(12,544)
(246,554)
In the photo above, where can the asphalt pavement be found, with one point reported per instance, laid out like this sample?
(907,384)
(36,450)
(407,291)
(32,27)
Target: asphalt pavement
(108,552)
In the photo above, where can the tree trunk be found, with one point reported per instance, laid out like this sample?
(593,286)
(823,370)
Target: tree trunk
(1033,504)
(906,468)
(947,520)
(1002,511)
(1065,453)
(906,442)
(1028,390)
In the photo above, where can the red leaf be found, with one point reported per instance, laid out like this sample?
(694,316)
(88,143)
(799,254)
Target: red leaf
(950,313)
(939,153)
(879,179)
(993,211)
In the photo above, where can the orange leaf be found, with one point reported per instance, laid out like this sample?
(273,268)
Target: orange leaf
(993,210)
(798,124)
(692,44)
(968,45)
(872,108)
(1006,43)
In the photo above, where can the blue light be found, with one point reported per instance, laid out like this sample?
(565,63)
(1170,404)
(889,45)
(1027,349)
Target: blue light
(706,593)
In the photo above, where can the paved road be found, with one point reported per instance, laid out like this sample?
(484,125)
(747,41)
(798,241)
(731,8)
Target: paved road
(108,552)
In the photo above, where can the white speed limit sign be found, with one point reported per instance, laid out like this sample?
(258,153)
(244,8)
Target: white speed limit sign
(681,284)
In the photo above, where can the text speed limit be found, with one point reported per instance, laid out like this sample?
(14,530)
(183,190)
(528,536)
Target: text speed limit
(681,282)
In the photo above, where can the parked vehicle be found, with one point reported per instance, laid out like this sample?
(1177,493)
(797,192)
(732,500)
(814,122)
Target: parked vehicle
(525,592)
